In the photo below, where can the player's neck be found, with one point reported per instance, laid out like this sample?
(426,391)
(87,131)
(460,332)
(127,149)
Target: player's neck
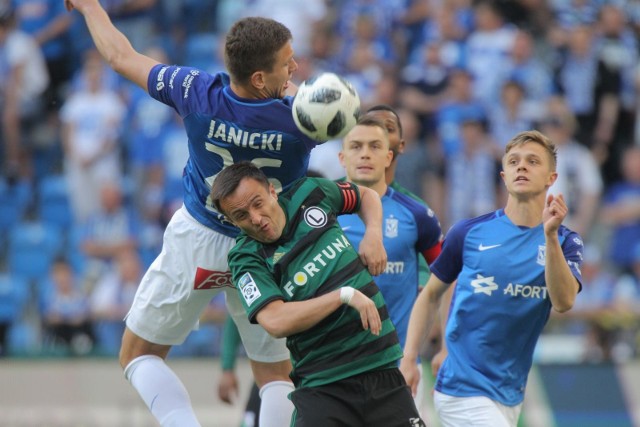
(244,92)
(525,212)
(390,172)
(379,187)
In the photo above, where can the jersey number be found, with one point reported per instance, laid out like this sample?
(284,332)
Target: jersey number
(227,160)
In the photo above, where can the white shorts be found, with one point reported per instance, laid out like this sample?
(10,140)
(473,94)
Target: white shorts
(476,411)
(191,269)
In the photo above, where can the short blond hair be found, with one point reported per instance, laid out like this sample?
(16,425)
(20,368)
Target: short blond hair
(537,138)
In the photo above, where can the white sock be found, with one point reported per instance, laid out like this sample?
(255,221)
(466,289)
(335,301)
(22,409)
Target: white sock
(275,407)
(162,391)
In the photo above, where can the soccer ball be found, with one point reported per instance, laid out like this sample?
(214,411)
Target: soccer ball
(326,107)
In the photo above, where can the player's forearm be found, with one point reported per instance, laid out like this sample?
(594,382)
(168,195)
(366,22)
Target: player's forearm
(422,318)
(370,211)
(282,319)
(230,343)
(562,286)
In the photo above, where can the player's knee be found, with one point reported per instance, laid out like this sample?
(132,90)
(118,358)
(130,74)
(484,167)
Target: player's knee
(264,372)
(133,346)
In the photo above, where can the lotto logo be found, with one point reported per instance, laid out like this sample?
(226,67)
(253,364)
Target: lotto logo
(209,279)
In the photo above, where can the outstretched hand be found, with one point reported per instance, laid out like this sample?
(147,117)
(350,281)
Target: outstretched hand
(555,210)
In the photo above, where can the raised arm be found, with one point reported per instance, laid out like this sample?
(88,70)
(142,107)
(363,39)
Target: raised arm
(371,250)
(561,284)
(112,44)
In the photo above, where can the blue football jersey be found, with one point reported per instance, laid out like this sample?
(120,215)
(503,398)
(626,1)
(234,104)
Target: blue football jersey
(500,304)
(223,129)
(408,229)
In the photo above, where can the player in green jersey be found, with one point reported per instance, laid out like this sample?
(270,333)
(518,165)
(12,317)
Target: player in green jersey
(300,278)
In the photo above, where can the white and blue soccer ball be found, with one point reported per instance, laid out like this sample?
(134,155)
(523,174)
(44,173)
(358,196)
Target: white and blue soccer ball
(326,107)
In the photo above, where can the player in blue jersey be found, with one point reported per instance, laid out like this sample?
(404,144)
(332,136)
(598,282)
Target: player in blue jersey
(410,229)
(242,115)
(512,267)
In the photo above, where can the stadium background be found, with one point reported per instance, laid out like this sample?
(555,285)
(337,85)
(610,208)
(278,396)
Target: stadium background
(413,54)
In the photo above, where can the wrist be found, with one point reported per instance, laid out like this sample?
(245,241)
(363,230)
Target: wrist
(346,294)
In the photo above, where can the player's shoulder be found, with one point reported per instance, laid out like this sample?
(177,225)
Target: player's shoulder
(244,245)
(462,227)
(417,208)
(406,192)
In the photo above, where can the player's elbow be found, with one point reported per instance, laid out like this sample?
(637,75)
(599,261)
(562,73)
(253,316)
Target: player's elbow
(564,304)
(563,308)
(274,325)
(275,330)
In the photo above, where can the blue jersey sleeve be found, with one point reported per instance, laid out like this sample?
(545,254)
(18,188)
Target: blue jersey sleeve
(183,88)
(573,250)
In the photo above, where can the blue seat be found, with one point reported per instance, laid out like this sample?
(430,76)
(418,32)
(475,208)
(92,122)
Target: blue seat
(14,296)
(53,202)
(33,246)
(14,200)
(201,51)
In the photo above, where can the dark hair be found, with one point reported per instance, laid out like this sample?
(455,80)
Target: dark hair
(228,180)
(385,107)
(251,45)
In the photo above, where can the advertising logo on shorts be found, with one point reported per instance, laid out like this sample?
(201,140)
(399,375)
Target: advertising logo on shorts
(249,289)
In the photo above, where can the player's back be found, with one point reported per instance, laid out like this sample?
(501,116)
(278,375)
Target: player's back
(223,129)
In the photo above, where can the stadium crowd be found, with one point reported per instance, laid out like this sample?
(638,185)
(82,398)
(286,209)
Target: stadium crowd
(92,166)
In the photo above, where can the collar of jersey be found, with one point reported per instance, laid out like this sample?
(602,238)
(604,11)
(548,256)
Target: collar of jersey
(246,101)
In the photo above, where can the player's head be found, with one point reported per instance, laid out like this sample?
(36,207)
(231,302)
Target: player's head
(391,120)
(529,163)
(365,153)
(258,54)
(244,195)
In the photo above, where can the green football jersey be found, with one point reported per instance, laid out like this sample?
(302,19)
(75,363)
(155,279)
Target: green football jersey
(313,257)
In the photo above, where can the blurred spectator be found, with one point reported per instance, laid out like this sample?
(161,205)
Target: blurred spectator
(135,19)
(471,175)
(512,115)
(23,81)
(66,311)
(488,48)
(423,83)
(576,73)
(458,104)
(147,124)
(525,67)
(48,22)
(111,298)
(449,25)
(621,211)
(91,127)
(579,179)
(416,169)
(608,306)
(302,21)
(113,229)
(617,50)
(572,13)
